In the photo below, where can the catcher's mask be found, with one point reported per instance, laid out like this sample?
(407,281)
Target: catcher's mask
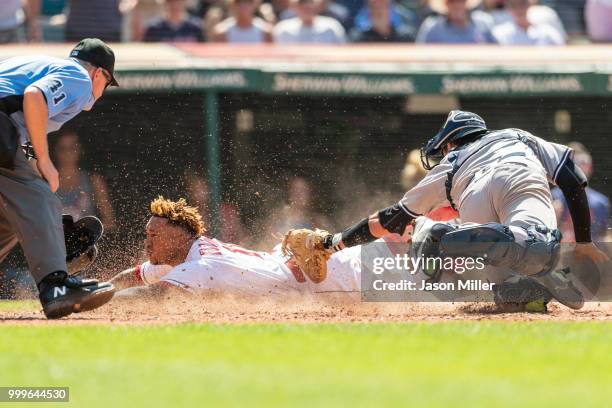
(458,125)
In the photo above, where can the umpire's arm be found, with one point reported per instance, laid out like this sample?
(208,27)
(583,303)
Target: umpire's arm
(36,114)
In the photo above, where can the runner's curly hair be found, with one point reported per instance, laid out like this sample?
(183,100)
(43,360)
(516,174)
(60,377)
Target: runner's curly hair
(179,213)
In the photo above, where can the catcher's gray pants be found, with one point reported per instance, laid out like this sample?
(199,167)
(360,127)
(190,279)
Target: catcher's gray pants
(514,195)
(31,215)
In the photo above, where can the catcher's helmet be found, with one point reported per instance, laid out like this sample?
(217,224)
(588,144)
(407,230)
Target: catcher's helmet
(458,125)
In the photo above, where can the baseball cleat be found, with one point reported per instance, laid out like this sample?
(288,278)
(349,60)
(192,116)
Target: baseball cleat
(536,306)
(561,288)
(63,295)
(521,294)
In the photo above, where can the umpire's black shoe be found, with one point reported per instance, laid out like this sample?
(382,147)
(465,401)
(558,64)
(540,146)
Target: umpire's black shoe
(61,295)
(561,288)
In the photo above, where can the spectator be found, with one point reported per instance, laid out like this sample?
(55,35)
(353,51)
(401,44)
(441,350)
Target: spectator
(80,193)
(384,21)
(230,224)
(598,15)
(308,26)
(11,18)
(412,173)
(215,14)
(413,170)
(336,11)
(456,24)
(353,6)
(598,203)
(281,10)
(537,14)
(520,31)
(46,20)
(571,13)
(243,27)
(32,10)
(202,7)
(101,19)
(297,212)
(141,17)
(176,26)
(215,11)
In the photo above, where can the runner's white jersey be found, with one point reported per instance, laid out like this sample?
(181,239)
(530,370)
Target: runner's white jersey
(343,274)
(212,265)
(215,266)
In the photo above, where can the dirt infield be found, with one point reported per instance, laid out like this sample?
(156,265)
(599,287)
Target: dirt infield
(298,311)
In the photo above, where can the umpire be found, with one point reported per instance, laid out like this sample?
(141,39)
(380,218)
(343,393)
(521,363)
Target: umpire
(38,94)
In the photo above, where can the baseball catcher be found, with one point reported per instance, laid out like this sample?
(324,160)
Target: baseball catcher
(498,181)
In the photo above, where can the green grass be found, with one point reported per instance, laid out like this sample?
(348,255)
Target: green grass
(421,364)
(19,305)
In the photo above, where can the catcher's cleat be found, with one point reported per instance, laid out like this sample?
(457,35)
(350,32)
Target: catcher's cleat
(561,288)
(521,294)
(426,243)
(81,237)
(536,306)
(61,295)
(307,248)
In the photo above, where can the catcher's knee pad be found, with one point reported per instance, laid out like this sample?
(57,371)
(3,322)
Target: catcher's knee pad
(542,250)
(497,245)
(491,239)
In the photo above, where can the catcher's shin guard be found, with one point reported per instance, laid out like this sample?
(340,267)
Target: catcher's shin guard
(497,245)
(537,257)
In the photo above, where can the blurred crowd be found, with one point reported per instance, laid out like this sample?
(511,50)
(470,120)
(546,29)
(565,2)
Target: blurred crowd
(506,22)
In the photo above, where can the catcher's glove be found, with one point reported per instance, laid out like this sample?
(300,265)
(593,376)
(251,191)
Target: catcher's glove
(81,237)
(306,247)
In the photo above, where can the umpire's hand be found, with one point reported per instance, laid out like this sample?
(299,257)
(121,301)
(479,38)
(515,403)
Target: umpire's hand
(48,172)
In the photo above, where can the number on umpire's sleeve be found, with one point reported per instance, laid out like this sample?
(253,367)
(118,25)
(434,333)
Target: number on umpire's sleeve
(55,86)
(58,99)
